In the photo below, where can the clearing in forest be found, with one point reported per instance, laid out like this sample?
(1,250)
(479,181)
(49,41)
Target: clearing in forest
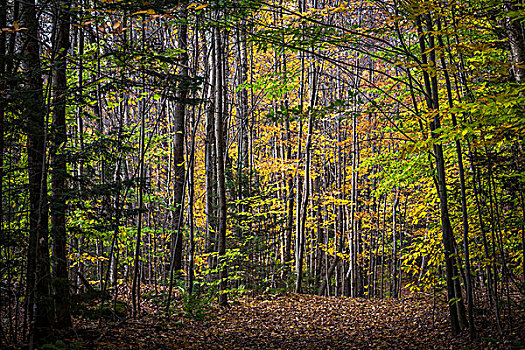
(299,321)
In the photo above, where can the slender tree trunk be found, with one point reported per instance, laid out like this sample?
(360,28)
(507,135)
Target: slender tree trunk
(211,162)
(393,284)
(3,303)
(448,235)
(191,178)
(242,114)
(3,66)
(431,97)
(466,252)
(178,147)
(514,31)
(289,181)
(135,288)
(298,249)
(79,144)
(39,306)
(191,196)
(320,238)
(353,239)
(220,153)
(58,205)
(329,273)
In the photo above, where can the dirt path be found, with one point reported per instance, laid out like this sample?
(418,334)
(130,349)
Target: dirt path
(300,322)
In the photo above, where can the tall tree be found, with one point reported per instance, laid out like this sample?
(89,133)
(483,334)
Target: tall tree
(456,306)
(220,154)
(516,37)
(135,288)
(178,141)
(39,306)
(58,201)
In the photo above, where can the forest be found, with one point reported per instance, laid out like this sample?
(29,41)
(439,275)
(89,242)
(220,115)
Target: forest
(249,174)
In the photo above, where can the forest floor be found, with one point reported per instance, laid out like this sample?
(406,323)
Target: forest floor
(295,321)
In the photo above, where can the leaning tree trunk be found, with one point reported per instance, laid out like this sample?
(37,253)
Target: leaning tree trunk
(459,152)
(456,305)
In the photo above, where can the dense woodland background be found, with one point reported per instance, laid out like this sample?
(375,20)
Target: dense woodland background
(153,149)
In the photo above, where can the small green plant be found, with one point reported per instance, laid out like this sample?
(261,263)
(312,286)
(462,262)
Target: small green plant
(61,345)
(195,306)
(58,345)
(236,289)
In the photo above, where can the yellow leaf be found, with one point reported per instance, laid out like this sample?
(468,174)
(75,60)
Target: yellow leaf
(148,12)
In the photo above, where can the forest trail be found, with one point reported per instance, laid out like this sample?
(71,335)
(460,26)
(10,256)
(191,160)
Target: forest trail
(300,322)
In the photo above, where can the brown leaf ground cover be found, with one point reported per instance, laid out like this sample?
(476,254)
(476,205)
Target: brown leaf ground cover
(297,322)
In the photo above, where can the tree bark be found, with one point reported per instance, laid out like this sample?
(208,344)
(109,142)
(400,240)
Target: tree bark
(3,66)
(178,147)
(466,252)
(220,153)
(431,97)
(39,306)
(58,204)
(514,30)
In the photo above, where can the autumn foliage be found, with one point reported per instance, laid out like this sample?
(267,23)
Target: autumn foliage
(158,157)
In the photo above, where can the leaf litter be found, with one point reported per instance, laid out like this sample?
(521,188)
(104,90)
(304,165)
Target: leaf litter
(296,321)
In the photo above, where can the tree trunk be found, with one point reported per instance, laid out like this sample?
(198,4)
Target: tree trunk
(431,96)
(178,148)
(3,64)
(514,30)
(220,153)
(211,163)
(393,284)
(466,252)
(39,306)
(58,205)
